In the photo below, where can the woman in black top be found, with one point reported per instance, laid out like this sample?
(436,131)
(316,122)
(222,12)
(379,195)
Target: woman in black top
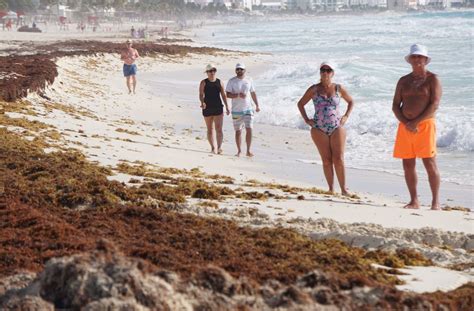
(210,92)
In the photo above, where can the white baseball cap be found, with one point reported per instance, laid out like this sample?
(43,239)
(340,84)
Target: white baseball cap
(328,64)
(240,65)
(418,49)
(210,67)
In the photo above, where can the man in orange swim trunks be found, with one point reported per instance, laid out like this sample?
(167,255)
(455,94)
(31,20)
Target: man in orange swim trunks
(416,100)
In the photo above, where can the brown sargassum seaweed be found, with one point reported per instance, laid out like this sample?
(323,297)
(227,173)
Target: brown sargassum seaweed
(57,204)
(20,74)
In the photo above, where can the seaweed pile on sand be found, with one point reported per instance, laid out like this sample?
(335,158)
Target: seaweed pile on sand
(20,74)
(106,279)
(59,204)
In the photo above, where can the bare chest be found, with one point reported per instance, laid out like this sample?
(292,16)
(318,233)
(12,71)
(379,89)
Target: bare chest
(416,88)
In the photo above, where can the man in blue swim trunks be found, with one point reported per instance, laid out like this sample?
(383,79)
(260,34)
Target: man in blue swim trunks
(129,55)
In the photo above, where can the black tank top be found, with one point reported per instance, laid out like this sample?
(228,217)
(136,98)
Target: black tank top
(212,94)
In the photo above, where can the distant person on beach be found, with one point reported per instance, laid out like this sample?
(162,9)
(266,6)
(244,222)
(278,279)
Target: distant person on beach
(211,90)
(240,88)
(327,125)
(129,55)
(416,100)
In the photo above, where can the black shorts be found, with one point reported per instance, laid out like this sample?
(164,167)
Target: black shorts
(213,111)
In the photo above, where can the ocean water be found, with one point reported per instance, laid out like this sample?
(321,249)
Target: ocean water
(368,53)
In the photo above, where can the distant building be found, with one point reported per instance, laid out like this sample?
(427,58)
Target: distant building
(320,5)
(242,4)
(367,3)
(401,4)
(289,4)
(202,3)
(227,3)
(444,3)
(61,10)
(272,4)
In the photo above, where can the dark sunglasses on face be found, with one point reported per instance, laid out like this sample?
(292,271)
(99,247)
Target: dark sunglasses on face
(239,69)
(322,70)
(212,70)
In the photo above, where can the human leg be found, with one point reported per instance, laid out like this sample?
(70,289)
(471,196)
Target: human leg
(434,180)
(129,84)
(409,167)
(238,141)
(338,142)
(321,140)
(210,134)
(248,140)
(134,81)
(218,121)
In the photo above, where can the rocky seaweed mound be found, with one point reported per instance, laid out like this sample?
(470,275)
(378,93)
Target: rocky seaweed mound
(107,280)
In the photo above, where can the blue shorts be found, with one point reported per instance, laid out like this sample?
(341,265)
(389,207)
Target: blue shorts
(129,70)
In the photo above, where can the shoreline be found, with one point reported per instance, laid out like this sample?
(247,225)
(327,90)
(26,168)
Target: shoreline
(456,188)
(161,125)
(286,164)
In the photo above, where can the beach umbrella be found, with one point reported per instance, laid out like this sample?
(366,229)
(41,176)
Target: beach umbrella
(10,15)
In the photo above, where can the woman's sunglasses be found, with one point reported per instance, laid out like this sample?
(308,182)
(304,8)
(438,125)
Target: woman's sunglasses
(212,70)
(322,70)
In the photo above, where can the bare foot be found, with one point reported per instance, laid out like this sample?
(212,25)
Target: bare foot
(249,154)
(345,193)
(129,92)
(219,151)
(435,207)
(237,154)
(213,151)
(412,205)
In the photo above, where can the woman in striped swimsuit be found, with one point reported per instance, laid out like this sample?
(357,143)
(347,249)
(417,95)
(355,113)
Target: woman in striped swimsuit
(327,129)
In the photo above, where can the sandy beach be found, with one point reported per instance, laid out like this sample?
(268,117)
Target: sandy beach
(88,108)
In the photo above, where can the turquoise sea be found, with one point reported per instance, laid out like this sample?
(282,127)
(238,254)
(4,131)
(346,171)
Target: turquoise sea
(368,52)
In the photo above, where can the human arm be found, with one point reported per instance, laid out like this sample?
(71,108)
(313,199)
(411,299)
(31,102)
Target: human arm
(232,95)
(135,54)
(396,104)
(201,94)
(255,100)
(303,101)
(229,89)
(350,104)
(224,98)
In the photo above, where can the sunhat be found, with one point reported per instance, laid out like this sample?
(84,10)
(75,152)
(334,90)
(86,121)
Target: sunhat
(240,66)
(209,67)
(326,63)
(418,49)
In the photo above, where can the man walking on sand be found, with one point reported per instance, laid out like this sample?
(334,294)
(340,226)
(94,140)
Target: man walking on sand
(240,88)
(128,56)
(416,100)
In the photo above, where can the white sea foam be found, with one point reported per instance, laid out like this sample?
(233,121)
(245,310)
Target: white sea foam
(368,55)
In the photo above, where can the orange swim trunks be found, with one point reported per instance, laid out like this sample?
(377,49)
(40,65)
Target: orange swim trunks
(422,144)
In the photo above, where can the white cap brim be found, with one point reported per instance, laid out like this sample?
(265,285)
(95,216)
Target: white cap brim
(328,64)
(407,58)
